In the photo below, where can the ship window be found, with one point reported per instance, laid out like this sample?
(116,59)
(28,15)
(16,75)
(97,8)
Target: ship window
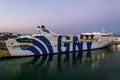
(106,35)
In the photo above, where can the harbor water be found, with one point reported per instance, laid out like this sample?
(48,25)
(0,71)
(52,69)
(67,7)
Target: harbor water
(103,64)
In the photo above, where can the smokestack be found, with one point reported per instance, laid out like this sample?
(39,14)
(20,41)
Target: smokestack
(38,29)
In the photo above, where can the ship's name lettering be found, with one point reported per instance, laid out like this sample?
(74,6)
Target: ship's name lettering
(77,43)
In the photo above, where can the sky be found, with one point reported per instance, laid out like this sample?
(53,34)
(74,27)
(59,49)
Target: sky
(61,16)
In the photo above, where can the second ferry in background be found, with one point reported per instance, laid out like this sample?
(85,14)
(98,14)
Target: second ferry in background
(48,42)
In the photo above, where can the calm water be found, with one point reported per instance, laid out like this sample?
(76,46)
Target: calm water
(101,64)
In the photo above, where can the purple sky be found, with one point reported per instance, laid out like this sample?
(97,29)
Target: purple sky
(62,16)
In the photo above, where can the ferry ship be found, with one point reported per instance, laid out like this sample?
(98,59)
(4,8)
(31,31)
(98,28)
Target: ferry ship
(48,42)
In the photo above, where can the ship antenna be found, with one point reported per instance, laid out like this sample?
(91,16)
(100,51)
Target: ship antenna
(103,30)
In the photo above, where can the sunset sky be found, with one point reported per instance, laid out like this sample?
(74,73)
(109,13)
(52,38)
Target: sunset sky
(61,16)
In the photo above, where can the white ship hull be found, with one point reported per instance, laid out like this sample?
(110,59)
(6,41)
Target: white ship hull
(52,43)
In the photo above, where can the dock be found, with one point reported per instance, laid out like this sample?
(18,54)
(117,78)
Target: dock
(116,40)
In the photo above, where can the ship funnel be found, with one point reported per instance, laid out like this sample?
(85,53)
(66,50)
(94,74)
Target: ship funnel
(38,29)
(42,26)
(43,30)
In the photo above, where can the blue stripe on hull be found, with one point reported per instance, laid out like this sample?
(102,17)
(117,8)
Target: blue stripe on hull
(31,48)
(46,42)
(36,43)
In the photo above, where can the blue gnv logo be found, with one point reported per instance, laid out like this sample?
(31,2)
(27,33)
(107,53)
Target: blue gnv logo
(76,43)
(47,44)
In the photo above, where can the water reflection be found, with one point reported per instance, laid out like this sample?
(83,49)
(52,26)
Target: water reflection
(59,64)
(88,54)
(52,64)
(60,61)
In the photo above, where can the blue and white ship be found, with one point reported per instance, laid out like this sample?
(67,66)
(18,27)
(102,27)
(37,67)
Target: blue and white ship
(48,42)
